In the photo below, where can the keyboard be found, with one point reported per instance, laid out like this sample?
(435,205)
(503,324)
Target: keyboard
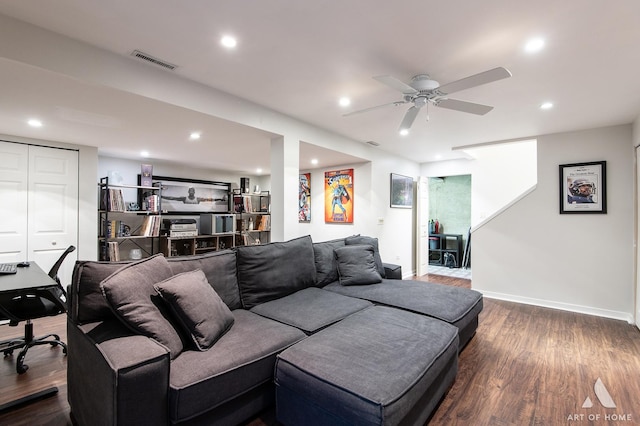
(8,268)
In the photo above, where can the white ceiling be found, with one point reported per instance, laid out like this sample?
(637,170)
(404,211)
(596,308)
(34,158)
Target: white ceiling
(298,58)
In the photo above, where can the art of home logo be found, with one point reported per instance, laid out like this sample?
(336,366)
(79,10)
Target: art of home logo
(604,398)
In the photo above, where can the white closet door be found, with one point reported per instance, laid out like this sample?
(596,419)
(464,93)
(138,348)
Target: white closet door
(53,207)
(14,164)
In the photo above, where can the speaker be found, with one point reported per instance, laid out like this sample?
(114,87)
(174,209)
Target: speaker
(244,185)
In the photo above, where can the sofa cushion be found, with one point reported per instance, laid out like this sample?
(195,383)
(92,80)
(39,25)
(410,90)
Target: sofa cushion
(86,299)
(455,305)
(362,239)
(270,271)
(241,360)
(356,265)
(196,307)
(326,264)
(130,294)
(311,309)
(220,269)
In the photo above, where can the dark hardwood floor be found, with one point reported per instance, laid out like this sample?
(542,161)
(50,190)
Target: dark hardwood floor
(526,365)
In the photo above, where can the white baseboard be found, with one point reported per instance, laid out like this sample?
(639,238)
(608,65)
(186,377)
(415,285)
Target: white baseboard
(623,316)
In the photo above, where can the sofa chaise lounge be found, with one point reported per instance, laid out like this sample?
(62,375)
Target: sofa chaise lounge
(218,338)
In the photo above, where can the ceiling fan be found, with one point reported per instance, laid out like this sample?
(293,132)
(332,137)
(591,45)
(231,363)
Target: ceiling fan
(422,91)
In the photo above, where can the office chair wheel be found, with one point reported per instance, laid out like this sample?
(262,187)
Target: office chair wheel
(8,352)
(20,367)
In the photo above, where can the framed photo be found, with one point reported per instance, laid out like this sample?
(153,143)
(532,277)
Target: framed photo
(338,196)
(401,191)
(583,188)
(191,196)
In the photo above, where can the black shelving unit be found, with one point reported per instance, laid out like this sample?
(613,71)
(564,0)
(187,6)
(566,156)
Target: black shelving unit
(439,244)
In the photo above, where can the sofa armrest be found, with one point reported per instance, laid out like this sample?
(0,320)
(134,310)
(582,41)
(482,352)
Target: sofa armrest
(392,271)
(115,377)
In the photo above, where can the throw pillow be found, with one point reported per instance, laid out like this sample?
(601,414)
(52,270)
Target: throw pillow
(197,307)
(373,242)
(356,265)
(326,266)
(130,294)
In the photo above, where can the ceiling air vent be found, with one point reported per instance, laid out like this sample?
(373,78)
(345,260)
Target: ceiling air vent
(145,57)
(372,143)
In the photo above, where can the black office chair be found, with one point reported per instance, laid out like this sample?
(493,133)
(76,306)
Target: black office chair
(35,303)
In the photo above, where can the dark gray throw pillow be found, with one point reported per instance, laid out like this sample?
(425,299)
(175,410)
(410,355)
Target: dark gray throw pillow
(197,307)
(326,266)
(130,294)
(356,265)
(373,242)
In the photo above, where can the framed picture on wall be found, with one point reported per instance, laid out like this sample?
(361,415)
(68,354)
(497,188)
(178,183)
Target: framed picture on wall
(192,196)
(338,196)
(304,198)
(401,191)
(583,187)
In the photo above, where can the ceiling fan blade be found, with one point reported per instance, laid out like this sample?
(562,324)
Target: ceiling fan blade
(473,81)
(372,108)
(409,118)
(396,84)
(463,106)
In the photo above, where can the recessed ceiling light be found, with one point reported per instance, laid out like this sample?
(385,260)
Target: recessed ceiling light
(534,45)
(229,41)
(144,154)
(194,136)
(258,170)
(438,157)
(404,132)
(344,101)
(34,123)
(546,105)
(314,161)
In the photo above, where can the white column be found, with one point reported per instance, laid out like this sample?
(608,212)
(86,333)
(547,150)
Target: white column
(285,168)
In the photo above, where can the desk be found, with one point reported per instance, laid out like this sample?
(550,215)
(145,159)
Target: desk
(28,280)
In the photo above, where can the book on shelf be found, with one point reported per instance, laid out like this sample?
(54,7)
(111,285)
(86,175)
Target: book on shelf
(150,226)
(263,223)
(115,229)
(112,200)
(152,203)
(113,251)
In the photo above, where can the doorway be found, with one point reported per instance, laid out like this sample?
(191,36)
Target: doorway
(450,222)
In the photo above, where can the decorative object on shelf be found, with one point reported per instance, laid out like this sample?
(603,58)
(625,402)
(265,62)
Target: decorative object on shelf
(583,187)
(401,191)
(338,196)
(304,198)
(146,175)
(192,196)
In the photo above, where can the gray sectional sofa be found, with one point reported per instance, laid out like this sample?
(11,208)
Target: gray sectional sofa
(325,331)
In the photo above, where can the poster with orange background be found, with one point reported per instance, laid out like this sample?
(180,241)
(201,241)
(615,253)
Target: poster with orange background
(338,196)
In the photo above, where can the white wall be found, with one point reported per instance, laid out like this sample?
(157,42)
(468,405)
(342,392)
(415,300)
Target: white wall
(500,173)
(585,263)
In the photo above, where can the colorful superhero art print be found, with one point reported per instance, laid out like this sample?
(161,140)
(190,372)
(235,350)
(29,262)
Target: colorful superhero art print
(304,198)
(338,196)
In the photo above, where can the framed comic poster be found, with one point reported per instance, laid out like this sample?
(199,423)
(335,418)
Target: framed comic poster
(583,188)
(304,198)
(338,196)
(192,196)
(401,191)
